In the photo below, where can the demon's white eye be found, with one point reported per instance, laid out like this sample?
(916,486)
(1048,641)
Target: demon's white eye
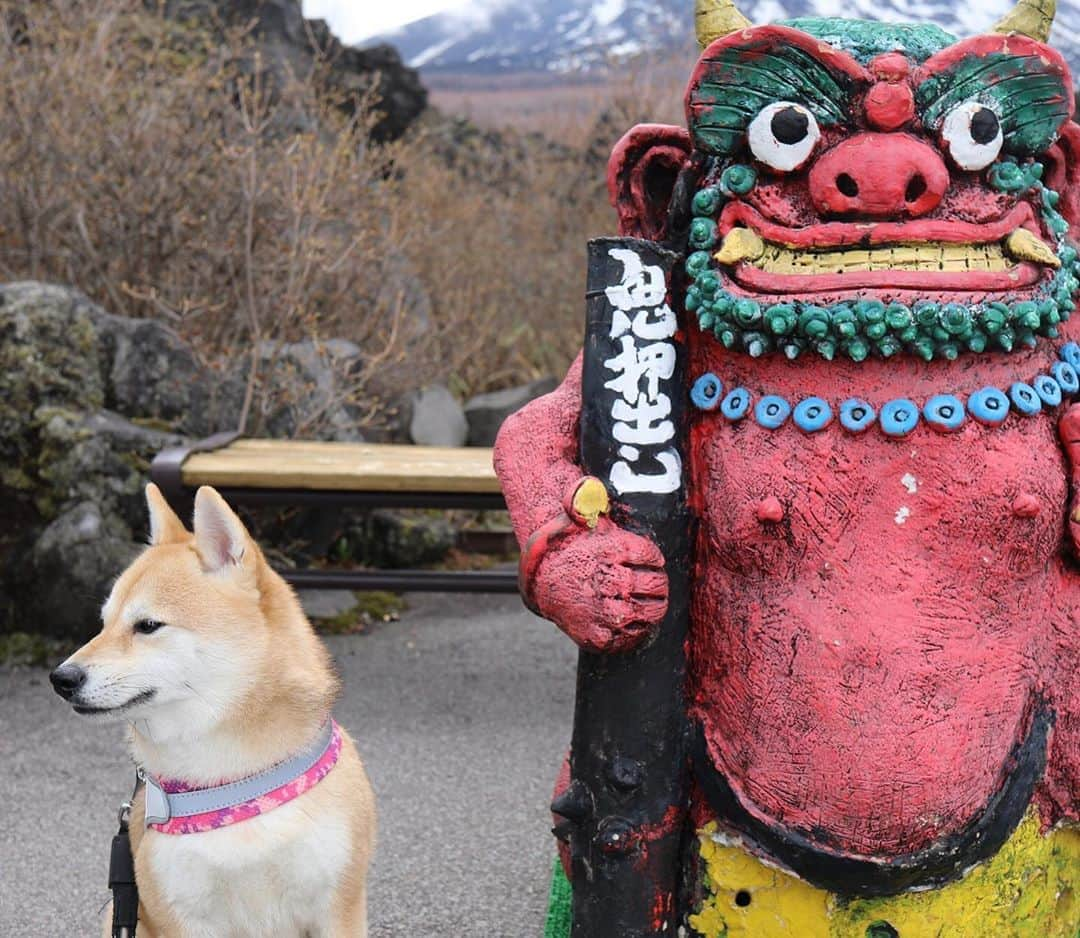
(784,135)
(972,132)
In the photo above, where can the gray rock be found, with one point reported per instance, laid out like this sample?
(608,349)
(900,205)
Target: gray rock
(63,360)
(437,418)
(400,288)
(327,604)
(70,570)
(87,399)
(288,45)
(309,387)
(155,374)
(486,412)
(395,419)
(302,536)
(397,540)
(401,95)
(71,472)
(99,457)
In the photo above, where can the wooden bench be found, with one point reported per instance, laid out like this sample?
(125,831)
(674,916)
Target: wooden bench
(342,475)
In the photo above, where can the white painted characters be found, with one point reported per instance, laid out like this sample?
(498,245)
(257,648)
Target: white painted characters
(640,286)
(641,373)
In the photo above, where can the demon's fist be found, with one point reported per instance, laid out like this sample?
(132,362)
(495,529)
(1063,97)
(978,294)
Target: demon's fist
(605,587)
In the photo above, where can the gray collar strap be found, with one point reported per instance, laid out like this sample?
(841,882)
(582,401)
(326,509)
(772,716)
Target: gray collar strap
(163,806)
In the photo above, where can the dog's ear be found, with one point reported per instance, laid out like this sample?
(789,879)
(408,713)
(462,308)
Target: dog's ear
(220,536)
(165,527)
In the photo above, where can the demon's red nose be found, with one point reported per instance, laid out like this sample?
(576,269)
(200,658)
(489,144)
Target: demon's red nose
(879,175)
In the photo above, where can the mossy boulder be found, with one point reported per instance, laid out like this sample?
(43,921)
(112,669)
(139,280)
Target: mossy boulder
(60,354)
(87,399)
(69,570)
(71,470)
(100,457)
(49,357)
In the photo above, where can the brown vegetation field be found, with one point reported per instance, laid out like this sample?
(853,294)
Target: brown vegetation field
(566,108)
(153,165)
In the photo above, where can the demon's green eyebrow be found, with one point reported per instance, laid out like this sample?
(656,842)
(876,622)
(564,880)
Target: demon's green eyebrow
(731,88)
(1029,95)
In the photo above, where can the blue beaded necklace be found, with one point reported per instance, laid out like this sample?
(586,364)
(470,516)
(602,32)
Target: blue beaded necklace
(946,413)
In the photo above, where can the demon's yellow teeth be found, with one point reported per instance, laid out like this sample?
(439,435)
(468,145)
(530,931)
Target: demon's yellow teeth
(928,258)
(740,244)
(1025,246)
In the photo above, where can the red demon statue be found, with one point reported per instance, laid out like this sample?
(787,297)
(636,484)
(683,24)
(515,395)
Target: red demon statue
(806,503)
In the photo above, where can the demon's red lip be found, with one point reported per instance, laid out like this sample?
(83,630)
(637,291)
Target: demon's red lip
(853,234)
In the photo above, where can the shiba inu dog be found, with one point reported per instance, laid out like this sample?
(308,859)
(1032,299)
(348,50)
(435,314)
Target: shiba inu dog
(256,817)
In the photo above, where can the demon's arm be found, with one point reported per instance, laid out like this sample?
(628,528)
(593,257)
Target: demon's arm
(604,586)
(1062,794)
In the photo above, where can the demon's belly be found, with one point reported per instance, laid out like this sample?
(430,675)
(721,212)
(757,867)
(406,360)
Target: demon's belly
(865,665)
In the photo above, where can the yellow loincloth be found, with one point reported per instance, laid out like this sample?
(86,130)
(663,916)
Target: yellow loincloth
(1028,889)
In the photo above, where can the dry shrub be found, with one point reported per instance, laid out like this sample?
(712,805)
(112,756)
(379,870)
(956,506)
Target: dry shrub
(507,248)
(505,255)
(151,164)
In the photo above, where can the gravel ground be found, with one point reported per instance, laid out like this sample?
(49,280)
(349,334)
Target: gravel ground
(461,710)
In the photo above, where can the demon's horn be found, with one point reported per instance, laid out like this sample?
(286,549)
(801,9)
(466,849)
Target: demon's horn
(718,18)
(1031,18)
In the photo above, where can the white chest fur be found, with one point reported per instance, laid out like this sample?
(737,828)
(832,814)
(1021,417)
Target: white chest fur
(274,874)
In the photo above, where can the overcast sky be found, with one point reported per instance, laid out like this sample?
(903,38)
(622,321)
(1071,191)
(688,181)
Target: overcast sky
(355,20)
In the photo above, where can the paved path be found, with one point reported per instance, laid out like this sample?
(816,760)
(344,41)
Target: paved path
(461,712)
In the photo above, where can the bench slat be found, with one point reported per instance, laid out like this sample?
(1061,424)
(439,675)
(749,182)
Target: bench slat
(289,464)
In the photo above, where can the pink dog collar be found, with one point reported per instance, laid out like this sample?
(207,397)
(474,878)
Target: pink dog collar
(173,807)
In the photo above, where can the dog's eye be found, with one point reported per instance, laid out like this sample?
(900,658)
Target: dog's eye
(148,626)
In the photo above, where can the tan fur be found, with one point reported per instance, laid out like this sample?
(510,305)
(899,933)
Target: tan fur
(241,682)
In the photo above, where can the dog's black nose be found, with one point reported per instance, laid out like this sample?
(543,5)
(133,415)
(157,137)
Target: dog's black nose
(67,679)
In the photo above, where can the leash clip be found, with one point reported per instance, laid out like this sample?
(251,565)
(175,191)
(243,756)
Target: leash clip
(158,808)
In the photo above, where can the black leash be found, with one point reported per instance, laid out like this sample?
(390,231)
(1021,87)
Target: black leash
(125,913)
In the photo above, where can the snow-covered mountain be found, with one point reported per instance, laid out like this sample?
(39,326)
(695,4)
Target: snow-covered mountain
(493,36)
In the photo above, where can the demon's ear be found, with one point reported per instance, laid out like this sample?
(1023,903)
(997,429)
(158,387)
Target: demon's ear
(1063,171)
(642,173)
